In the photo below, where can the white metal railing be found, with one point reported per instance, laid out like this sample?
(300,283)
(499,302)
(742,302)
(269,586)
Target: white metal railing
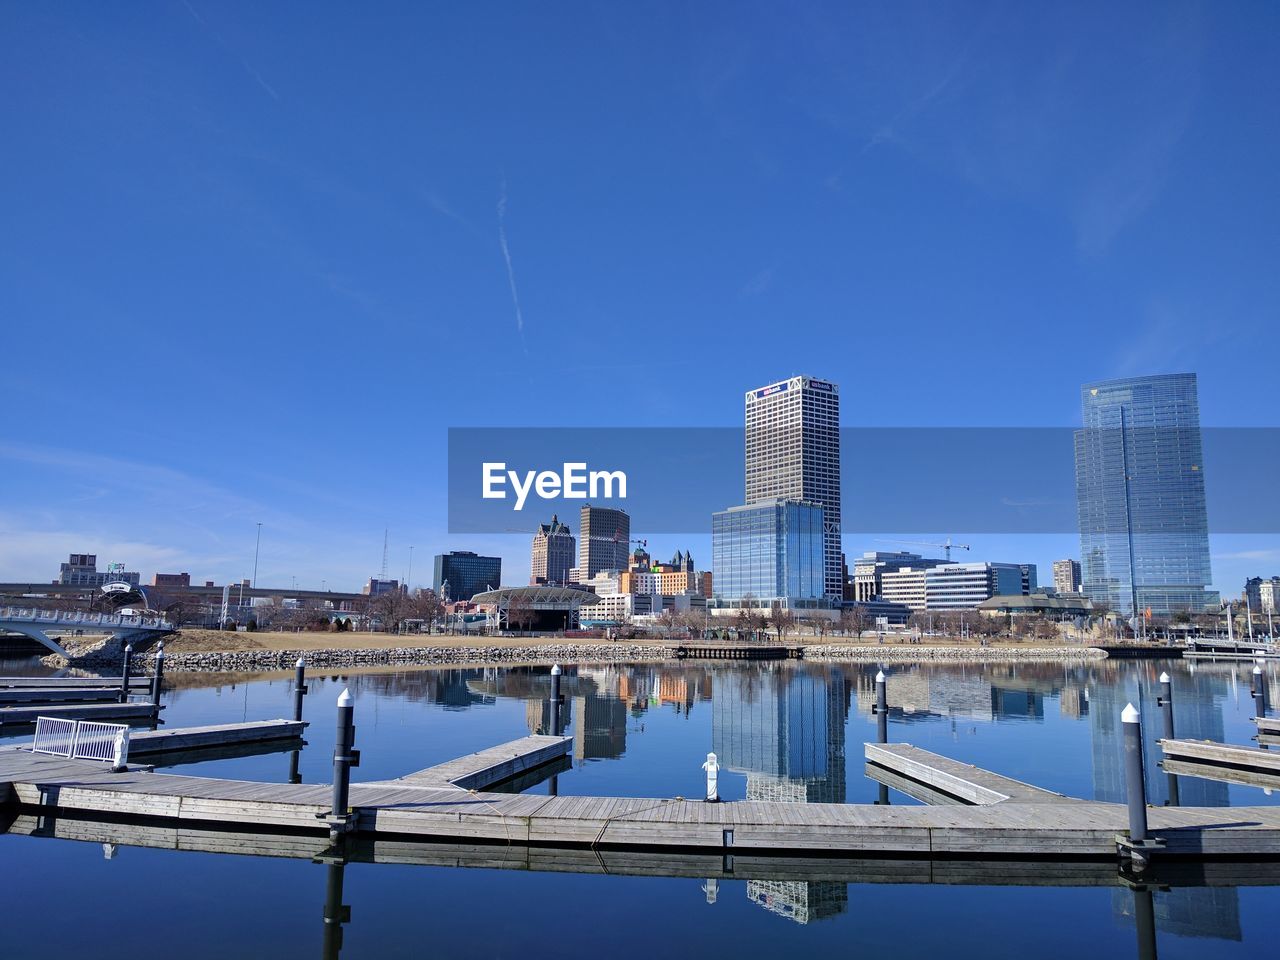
(79,618)
(55,735)
(82,740)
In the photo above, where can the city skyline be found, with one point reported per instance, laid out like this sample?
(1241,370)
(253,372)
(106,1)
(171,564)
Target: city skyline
(965,219)
(1046,550)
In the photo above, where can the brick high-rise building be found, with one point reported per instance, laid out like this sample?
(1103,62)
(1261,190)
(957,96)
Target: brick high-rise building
(554,554)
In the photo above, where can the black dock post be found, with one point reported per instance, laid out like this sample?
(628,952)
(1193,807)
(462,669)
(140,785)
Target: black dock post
(1165,700)
(555,700)
(1144,919)
(157,678)
(882,708)
(1135,783)
(1259,691)
(124,674)
(344,758)
(336,913)
(299,688)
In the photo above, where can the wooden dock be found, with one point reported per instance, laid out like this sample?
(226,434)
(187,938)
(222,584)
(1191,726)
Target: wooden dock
(182,740)
(489,767)
(397,809)
(136,682)
(31,695)
(934,779)
(26,714)
(1251,766)
(642,863)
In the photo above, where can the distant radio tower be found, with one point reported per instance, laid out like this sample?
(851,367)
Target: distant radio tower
(383,575)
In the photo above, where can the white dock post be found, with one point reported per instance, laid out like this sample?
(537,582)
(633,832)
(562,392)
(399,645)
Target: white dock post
(712,766)
(120,754)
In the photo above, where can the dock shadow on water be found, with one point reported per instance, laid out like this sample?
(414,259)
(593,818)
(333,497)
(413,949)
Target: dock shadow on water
(787,734)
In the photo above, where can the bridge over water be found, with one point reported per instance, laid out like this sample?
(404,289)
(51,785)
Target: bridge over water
(43,625)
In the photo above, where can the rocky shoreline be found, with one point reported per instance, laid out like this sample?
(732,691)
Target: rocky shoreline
(262,660)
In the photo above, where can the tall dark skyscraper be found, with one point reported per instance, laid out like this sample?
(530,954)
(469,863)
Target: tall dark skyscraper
(462,574)
(1140,496)
(606,540)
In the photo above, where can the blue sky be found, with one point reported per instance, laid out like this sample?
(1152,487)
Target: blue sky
(257,258)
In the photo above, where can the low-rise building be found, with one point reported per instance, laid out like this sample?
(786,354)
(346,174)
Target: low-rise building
(81,570)
(956,586)
(1036,604)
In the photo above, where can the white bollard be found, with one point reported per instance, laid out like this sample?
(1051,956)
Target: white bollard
(121,757)
(712,766)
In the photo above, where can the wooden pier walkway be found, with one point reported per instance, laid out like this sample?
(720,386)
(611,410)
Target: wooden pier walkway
(22,696)
(934,779)
(152,743)
(26,714)
(398,809)
(489,767)
(136,682)
(1251,766)
(743,865)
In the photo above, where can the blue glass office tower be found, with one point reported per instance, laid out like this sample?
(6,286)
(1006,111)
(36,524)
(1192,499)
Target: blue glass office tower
(771,552)
(1144,528)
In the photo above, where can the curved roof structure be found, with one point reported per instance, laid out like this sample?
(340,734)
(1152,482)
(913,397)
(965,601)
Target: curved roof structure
(538,596)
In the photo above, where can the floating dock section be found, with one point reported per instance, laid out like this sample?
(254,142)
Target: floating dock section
(404,811)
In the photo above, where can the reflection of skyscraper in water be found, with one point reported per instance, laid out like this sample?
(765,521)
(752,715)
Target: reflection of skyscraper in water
(1197,707)
(785,729)
(600,730)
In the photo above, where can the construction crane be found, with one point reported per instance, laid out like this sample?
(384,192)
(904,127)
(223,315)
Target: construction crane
(945,545)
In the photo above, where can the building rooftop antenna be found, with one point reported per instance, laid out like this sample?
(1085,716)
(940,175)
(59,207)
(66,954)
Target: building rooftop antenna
(383,576)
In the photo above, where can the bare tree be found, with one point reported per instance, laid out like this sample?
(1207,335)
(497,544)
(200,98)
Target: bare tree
(520,613)
(782,620)
(821,627)
(391,609)
(856,619)
(668,623)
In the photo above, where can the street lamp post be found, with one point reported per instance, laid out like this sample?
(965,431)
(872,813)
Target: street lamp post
(256,544)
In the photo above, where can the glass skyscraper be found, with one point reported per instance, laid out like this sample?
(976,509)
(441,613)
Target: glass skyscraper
(769,552)
(1140,496)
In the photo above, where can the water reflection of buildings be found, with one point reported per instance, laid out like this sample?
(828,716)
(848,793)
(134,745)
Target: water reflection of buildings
(1197,714)
(597,701)
(785,730)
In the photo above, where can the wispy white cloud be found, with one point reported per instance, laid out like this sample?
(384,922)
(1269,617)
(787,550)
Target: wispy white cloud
(758,284)
(446,210)
(244,63)
(506,255)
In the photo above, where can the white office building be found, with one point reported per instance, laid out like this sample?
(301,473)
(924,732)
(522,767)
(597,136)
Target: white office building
(956,586)
(793,453)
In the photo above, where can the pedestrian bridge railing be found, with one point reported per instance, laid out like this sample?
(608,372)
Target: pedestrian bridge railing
(82,740)
(78,618)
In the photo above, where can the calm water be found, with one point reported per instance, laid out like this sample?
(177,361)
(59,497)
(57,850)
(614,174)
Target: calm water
(789,732)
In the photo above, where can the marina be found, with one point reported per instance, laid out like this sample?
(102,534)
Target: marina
(442,789)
